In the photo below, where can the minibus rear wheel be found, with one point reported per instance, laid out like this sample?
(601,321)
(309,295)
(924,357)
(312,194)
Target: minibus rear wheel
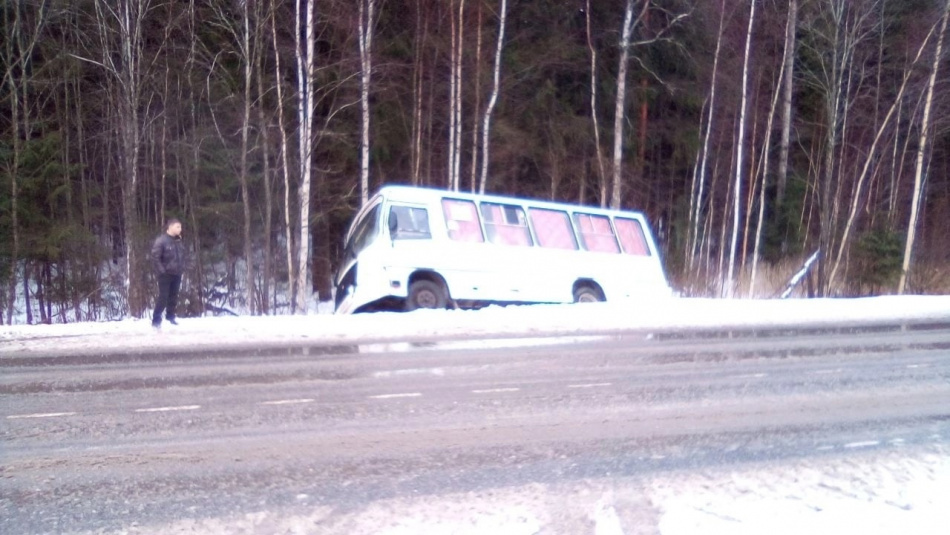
(425,294)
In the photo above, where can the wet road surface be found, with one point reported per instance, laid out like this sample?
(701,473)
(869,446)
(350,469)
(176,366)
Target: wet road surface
(117,442)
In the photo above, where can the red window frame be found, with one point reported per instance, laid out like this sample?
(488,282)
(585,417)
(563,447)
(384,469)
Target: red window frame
(631,235)
(553,228)
(461,221)
(596,233)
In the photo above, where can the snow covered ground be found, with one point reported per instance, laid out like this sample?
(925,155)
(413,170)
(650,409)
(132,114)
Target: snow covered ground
(490,323)
(881,491)
(871,494)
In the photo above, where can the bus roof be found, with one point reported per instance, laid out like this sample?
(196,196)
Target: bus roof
(425,194)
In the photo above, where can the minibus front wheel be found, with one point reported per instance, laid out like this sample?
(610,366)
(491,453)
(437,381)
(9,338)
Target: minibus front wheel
(425,294)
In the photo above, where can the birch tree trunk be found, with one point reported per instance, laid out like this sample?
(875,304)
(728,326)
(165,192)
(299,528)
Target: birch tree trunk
(620,105)
(455,98)
(453,58)
(486,128)
(421,33)
(366,63)
(457,120)
(247,54)
(730,285)
(262,14)
(477,112)
(602,176)
(305,38)
(921,153)
(285,165)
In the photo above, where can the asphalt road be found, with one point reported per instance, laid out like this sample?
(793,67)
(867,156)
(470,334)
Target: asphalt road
(143,443)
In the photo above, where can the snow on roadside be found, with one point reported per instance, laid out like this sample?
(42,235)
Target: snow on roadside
(492,322)
(882,493)
(878,493)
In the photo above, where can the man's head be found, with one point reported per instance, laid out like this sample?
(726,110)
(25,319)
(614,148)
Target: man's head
(173,227)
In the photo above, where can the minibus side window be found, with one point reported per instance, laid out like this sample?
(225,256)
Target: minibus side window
(553,228)
(461,221)
(595,233)
(411,223)
(631,237)
(505,224)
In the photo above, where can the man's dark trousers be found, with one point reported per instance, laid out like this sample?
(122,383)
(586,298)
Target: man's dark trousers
(168,286)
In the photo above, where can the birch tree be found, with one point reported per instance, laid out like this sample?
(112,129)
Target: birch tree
(418,71)
(921,153)
(621,103)
(486,127)
(305,41)
(599,153)
(249,60)
(366,30)
(455,98)
(740,162)
(263,14)
(285,163)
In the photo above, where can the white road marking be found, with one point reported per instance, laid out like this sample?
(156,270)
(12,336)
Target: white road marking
(40,415)
(495,390)
(286,402)
(865,444)
(751,376)
(819,372)
(589,385)
(410,371)
(391,396)
(825,448)
(912,366)
(170,409)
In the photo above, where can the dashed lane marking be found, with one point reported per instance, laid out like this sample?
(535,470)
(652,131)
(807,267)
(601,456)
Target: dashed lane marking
(170,409)
(495,390)
(40,415)
(865,444)
(286,402)
(409,371)
(391,396)
(589,385)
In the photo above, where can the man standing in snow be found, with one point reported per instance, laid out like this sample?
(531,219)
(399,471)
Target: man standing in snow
(168,258)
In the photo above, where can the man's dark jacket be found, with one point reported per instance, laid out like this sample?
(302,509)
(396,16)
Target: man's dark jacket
(168,255)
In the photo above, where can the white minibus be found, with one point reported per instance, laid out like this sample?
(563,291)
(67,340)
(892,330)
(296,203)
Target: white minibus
(410,248)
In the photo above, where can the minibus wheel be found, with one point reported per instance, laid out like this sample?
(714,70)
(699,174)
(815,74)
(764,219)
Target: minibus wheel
(425,294)
(587,294)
